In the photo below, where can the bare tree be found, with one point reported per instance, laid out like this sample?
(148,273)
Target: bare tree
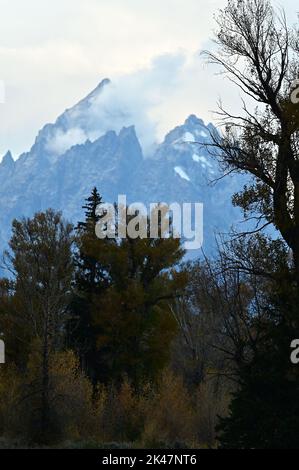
(227,304)
(259,54)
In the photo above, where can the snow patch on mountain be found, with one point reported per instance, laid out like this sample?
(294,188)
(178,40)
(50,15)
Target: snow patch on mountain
(188,137)
(203,134)
(181,173)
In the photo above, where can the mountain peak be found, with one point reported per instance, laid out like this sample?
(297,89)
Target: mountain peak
(7,160)
(192,129)
(193,120)
(93,94)
(98,89)
(129,147)
(127,131)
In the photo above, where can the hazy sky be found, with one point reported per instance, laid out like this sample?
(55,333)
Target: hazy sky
(54,52)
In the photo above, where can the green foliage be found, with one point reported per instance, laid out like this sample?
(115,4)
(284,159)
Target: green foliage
(123,303)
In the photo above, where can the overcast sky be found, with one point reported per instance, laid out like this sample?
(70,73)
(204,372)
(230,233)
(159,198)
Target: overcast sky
(54,52)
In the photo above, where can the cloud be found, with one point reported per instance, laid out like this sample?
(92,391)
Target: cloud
(154,99)
(62,141)
(133,99)
(129,99)
(52,53)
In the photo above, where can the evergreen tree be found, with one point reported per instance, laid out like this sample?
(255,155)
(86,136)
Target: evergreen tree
(89,280)
(88,277)
(91,218)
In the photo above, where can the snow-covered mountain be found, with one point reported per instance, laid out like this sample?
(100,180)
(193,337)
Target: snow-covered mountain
(78,152)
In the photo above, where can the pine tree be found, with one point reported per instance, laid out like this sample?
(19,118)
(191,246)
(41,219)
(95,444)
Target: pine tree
(91,218)
(89,280)
(87,273)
